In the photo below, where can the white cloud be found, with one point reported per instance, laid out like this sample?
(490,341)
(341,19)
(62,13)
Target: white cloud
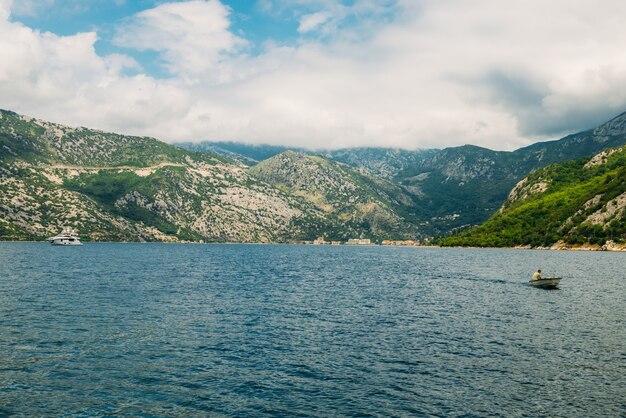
(192,36)
(312,21)
(442,72)
(333,17)
(5,9)
(61,78)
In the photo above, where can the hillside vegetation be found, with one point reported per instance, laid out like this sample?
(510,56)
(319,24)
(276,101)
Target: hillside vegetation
(126,188)
(575,203)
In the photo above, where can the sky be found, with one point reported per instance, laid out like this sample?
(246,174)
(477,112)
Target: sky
(319,74)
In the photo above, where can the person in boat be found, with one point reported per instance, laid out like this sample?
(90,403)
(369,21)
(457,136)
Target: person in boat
(537,275)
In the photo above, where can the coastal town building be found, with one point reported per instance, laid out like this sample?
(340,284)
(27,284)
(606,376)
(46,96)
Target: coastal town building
(359,241)
(320,241)
(405,243)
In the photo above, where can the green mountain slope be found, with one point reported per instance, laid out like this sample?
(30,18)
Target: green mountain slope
(581,202)
(39,141)
(465,185)
(363,204)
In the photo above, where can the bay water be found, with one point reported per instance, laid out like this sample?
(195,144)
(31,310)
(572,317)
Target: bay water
(294,330)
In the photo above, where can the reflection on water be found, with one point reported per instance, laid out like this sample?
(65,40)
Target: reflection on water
(153,329)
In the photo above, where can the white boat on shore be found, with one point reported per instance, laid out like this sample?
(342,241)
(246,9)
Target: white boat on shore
(546,283)
(66,237)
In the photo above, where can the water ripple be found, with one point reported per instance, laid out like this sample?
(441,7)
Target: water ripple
(239,330)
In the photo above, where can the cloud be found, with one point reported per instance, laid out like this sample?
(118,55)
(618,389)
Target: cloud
(312,21)
(346,19)
(426,73)
(192,36)
(5,9)
(61,78)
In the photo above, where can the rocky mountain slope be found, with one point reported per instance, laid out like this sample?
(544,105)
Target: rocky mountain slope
(115,187)
(355,199)
(454,187)
(581,202)
(384,163)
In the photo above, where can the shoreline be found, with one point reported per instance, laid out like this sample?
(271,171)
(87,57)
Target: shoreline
(613,247)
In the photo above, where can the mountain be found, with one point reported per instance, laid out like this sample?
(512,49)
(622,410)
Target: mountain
(356,200)
(124,188)
(580,202)
(452,187)
(385,163)
(248,154)
(380,162)
(463,186)
(116,187)
(609,135)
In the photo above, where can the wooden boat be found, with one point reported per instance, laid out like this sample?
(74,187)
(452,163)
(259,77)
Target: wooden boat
(546,282)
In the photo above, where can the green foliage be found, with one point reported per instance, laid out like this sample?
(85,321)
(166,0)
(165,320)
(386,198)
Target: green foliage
(559,213)
(108,187)
(10,232)
(104,187)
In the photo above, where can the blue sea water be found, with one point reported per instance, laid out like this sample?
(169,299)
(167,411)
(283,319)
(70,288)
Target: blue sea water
(287,330)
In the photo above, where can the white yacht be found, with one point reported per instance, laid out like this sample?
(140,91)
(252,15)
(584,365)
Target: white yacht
(66,237)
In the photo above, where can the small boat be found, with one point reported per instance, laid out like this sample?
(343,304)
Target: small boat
(66,237)
(546,282)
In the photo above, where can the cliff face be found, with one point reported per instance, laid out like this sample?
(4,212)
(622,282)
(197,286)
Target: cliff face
(575,203)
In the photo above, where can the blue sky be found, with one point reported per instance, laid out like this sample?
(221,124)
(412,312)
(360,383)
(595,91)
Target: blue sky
(318,73)
(249,18)
(68,17)
(256,21)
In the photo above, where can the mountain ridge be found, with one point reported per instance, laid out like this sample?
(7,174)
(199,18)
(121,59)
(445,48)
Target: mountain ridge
(338,189)
(110,186)
(116,187)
